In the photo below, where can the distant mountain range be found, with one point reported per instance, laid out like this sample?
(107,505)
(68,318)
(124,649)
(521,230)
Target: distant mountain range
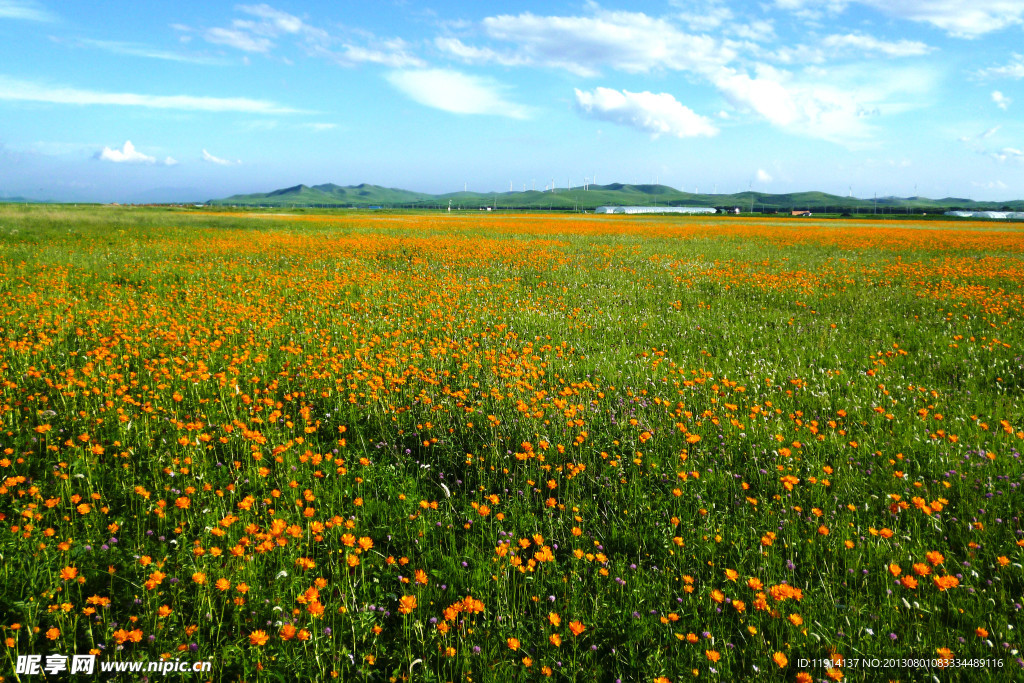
(615,194)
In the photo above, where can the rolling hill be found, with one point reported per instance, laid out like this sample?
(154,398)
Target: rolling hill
(614,194)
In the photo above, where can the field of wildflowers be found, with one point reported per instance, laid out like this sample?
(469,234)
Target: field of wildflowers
(493,448)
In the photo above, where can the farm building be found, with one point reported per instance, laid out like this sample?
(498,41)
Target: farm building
(654,209)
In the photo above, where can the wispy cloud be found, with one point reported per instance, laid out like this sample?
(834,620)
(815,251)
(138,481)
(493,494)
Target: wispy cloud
(264,27)
(657,114)
(140,50)
(319,127)
(1013,69)
(18,90)
(240,40)
(26,10)
(129,155)
(1001,100)
(633,42)
(865,43)
(456,92)
(763,176)
(960,19)
(217,160)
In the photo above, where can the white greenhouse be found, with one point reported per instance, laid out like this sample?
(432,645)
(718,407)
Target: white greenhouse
(655,209)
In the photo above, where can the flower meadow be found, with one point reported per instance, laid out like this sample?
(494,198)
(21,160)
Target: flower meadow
(441,447)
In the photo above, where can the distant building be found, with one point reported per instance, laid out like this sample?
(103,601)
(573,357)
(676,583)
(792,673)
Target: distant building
(655,209)
(1012,215)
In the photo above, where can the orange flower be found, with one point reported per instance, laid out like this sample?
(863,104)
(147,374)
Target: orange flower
(981,632)
(909,582)
(944,583)
(554,619)
(731,574)
(53,633)
(712,655)
(421,577)
(68,573)
(935,558)
(555,639)
(780,659)
(287,632)
(895,570)
(513,644)
(407,603)
(258,638)
(576,627)
(718,596)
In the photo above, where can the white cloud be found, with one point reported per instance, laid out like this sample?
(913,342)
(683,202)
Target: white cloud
(708,17)
(25,10)
(217,160)
(393,53)
(455,92)
(990,185)
(319,127)
(138,50)
(13,89)
(240,40)
(129,155)
(1013,69)
(982,135)
(836,104)
(763,176)
(280,21)
(1001,100)
(470,54)
(956,17)
(258,35)
(1007,154)
(658,114)
(628,41)
(865,43)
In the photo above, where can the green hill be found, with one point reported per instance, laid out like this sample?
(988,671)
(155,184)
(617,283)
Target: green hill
(578,198)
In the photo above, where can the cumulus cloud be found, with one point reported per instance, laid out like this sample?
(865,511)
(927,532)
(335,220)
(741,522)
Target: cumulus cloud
(806,103)
(217,160)
(129,155)
(456,92)
(763,176)
(13,89)
(1001,100)
(657,114)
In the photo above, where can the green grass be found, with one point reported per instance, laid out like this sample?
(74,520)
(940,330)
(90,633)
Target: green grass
(395,372)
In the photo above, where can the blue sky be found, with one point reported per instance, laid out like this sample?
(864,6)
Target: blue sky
(139,101)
